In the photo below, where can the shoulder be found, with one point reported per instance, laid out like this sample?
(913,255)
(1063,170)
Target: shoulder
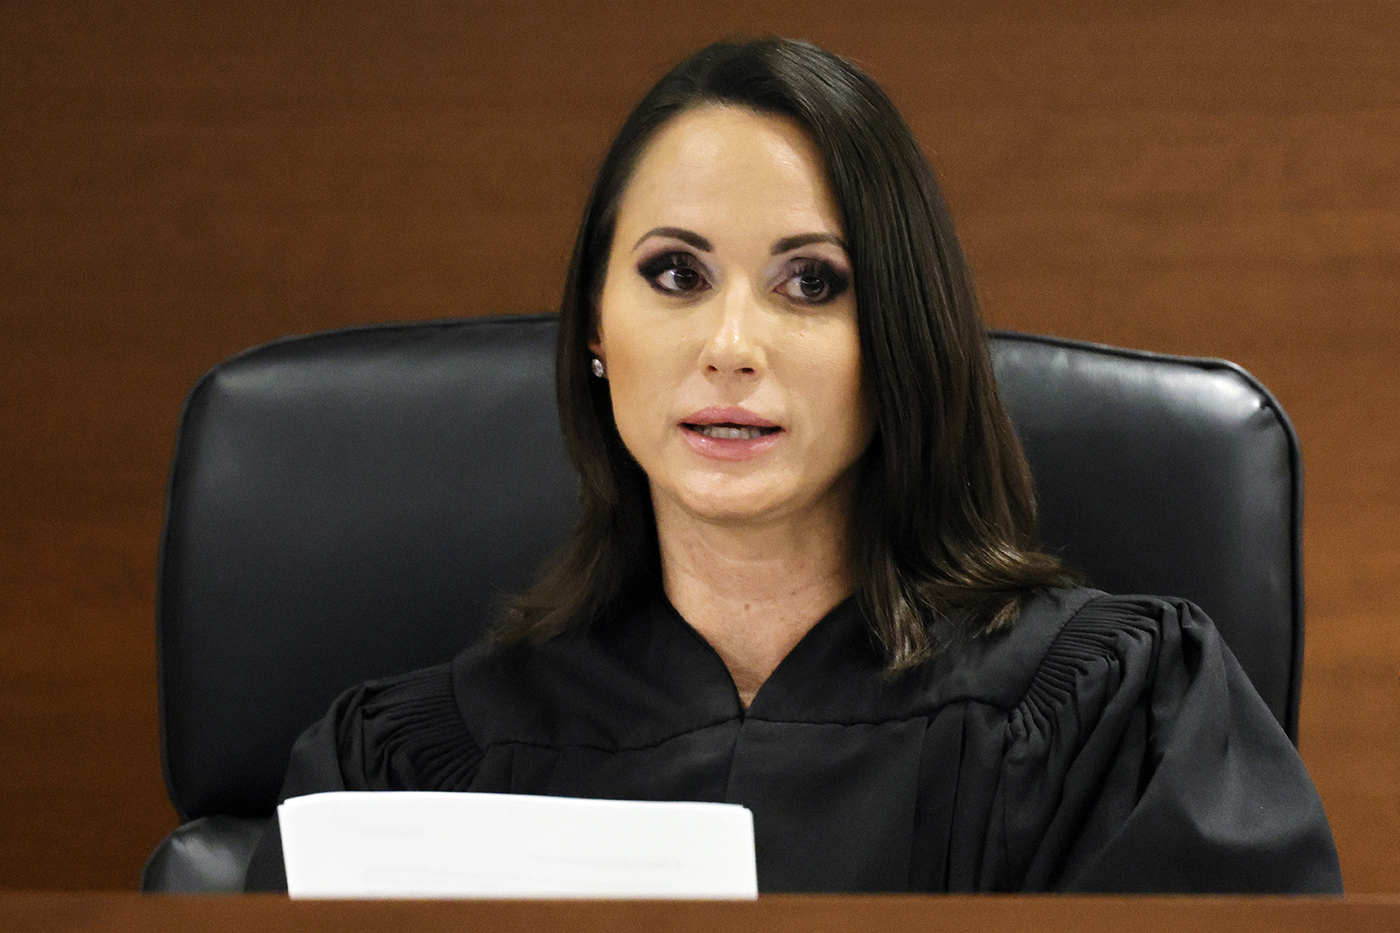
(398,733)
(1113,644)
(395,733)
(1066,642)
(1081,663)
(1106,663)
(1079,660)
(1139,758)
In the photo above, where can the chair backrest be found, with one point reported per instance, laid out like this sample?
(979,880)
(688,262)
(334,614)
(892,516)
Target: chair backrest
(351,504)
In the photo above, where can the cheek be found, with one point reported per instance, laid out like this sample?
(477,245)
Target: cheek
(640,359)
(646,347)
(831,370)
(638,371)
(850,406)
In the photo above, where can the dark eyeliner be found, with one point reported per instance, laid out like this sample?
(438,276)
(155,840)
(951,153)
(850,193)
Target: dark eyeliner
(676,262)
(836,280)
(649,269)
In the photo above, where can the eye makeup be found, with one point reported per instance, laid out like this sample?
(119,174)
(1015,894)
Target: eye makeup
(813,281)
(673,272)
(808,278)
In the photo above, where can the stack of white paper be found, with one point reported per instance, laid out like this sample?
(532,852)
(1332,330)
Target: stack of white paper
(353,844)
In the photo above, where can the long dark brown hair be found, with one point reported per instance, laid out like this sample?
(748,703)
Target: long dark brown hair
(944,537)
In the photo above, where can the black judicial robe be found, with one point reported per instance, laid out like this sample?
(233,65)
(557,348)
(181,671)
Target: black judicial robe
(1101,744)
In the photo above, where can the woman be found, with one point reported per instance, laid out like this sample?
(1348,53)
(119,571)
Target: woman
(806,576)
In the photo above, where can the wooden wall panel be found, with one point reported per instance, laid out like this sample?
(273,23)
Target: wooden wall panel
(181,181)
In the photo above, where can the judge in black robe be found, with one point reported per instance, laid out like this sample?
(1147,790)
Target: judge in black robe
(1100,744)
(786,404)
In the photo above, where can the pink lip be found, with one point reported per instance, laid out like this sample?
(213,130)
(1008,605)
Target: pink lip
(715,415)
(721,448)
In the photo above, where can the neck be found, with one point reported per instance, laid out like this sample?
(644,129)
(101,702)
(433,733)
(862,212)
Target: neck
(753,591)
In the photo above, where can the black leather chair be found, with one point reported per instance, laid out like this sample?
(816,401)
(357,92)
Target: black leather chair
(351,504)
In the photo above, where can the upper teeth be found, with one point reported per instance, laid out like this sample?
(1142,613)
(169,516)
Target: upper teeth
(729,433)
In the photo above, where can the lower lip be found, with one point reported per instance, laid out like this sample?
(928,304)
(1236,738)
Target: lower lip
(723,448)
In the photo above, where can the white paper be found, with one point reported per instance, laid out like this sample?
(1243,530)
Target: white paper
(418,844)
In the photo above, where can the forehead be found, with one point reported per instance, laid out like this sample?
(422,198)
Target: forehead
(729,165)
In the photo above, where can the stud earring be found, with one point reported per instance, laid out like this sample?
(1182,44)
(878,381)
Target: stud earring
(598,369)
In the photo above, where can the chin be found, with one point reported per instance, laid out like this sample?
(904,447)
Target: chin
(732,506)
(726,511)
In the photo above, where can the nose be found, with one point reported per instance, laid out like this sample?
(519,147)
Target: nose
(734,347)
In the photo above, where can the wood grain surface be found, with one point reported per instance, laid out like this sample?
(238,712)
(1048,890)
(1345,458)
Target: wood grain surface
(180,181)
(118,913)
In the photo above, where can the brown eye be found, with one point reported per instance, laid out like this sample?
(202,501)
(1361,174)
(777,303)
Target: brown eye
(683,279)
(673,274)
(814,282)
(813,288)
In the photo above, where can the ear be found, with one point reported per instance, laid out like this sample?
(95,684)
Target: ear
(595,340)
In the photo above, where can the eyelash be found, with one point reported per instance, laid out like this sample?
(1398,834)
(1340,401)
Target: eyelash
(834,280)
(653,269)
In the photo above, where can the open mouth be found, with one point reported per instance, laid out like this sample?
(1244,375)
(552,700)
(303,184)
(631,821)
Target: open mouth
(731,432)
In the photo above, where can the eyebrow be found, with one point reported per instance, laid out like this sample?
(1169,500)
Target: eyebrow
(678,233)
(805,239)
(784,245)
